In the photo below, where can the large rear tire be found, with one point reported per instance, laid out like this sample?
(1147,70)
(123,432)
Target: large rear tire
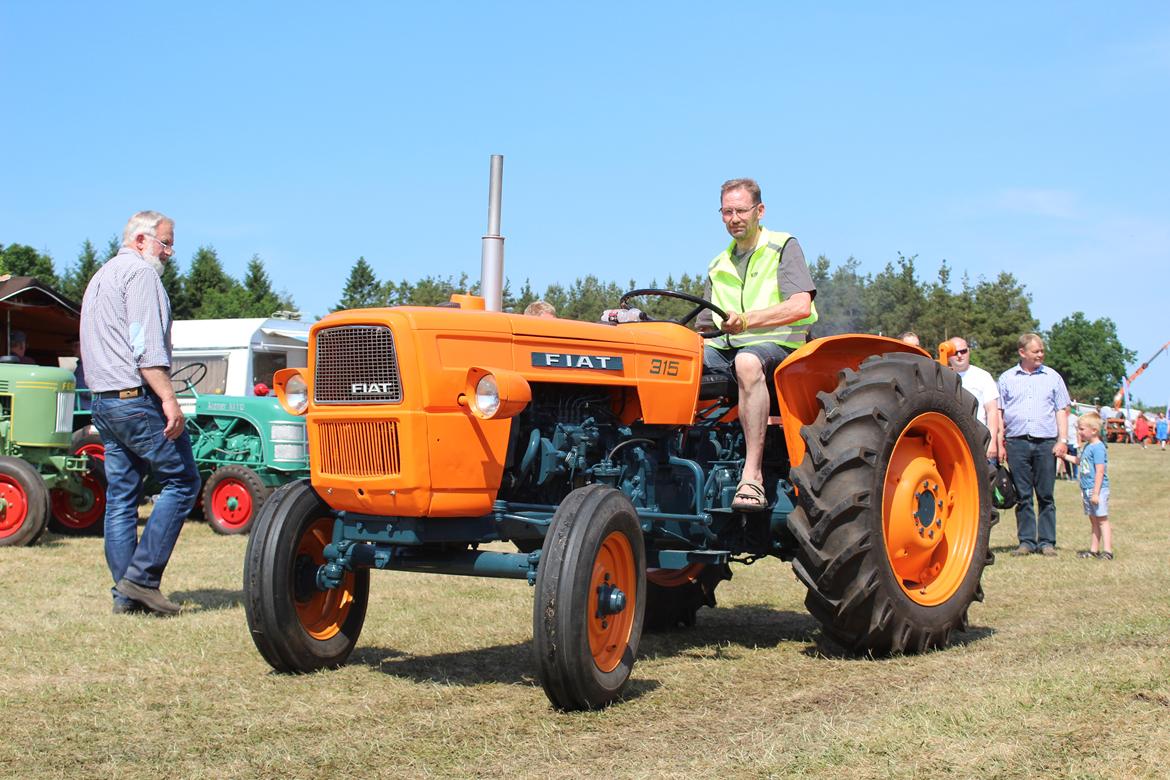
(297,626)
(590,599)
(232,497)
(895,512)
(24,503)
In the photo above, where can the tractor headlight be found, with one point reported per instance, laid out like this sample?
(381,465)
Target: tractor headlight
(487,396)
(495,394)
(296,394)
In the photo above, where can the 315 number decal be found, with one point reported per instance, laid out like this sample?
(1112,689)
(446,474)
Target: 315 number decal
(660,367)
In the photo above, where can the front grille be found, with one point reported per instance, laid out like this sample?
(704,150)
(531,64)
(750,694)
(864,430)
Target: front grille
(359,449)
(356,364)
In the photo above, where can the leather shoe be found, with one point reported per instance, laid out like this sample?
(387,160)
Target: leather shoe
(1023,549)
(133,608)
(1048,551)
(151,598)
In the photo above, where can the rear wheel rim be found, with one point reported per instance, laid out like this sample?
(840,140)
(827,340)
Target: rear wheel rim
(81,510)
(231,502)
(322,613)
(609,634)
(931,509)
(674,578)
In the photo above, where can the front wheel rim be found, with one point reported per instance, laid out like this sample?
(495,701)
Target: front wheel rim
(609,634)
(931,509)
(322,613)
(15,507)
(231,503)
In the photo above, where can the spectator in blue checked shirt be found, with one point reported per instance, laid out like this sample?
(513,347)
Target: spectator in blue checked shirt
(1035,403)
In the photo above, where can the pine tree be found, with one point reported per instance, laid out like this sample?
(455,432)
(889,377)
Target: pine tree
(113,246)
(206,278)
(262,301)
(76,279)
(362,289)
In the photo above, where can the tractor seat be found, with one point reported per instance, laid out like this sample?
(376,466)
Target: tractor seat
(716,384)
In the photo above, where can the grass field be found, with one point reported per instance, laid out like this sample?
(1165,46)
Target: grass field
(1064,673)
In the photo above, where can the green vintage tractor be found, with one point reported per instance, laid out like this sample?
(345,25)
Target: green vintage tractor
(244,447)
(39,477)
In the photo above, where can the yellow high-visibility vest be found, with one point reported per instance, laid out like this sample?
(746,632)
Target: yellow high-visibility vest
(757,290)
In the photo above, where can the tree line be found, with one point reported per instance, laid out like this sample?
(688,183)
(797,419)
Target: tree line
(205,291)
(989,313)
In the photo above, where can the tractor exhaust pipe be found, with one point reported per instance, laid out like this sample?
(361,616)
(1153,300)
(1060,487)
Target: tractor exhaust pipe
(492,265)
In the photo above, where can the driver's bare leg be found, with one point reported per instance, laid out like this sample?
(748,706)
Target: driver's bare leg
(753,412)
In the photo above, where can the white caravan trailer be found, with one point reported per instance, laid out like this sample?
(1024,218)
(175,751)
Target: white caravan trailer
(240,354)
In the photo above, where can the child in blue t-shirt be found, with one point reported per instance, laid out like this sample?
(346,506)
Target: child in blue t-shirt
(1161,429)
(1094,486)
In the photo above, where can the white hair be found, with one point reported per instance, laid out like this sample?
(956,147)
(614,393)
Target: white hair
(144,223)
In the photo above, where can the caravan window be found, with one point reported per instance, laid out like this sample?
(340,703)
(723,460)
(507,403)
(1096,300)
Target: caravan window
(265,364)
(216,380)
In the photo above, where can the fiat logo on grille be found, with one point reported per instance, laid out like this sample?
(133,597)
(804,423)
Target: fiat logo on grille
(371,388)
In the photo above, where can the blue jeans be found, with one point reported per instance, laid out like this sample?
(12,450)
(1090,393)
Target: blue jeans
(1034,470)
(132,432)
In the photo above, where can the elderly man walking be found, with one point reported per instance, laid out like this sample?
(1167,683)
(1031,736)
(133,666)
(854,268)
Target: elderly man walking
(126,348)
(1035,414)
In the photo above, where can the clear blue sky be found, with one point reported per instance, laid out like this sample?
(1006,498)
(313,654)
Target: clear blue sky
(1027,137)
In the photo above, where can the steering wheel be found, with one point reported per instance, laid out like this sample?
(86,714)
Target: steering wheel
(700,304)
(188,376)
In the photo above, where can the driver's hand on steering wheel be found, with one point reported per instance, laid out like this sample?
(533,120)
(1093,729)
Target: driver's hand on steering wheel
(735,323)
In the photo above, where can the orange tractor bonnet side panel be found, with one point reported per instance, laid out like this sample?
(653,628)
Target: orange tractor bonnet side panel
(812,369)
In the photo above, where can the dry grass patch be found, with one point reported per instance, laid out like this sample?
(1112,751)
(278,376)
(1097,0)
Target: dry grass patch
(1064,673)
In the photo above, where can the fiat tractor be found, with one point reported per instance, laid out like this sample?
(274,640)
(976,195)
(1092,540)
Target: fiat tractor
(599,462)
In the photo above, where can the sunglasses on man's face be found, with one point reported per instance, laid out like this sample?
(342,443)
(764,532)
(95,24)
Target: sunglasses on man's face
(962,351)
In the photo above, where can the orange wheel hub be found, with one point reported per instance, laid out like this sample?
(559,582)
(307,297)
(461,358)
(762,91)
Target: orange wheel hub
(930,509)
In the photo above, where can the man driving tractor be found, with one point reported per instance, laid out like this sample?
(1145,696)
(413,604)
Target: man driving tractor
(763,283)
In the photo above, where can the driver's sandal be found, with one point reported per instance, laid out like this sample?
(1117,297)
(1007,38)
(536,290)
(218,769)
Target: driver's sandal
(750,497)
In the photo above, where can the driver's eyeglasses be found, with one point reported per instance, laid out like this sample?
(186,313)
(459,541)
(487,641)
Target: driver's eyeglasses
(728,213)
(962,351)
(168,245)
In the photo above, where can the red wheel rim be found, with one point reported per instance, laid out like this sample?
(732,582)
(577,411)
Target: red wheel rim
(231,503)
(93,450)
(83,510)
(15,506)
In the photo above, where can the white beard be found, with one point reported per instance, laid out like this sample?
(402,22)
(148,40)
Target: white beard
(155,262)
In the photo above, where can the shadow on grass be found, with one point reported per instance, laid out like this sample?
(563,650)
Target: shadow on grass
(824,647)
(210,598)
(717,633)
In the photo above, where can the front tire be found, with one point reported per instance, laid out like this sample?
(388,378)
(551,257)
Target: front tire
(895,513)
(232,497)
(590,599)
(296,626)
(24,503)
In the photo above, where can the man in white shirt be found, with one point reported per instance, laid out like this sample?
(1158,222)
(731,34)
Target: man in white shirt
(982,385)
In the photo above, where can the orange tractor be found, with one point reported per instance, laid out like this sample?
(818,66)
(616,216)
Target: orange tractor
(607,460)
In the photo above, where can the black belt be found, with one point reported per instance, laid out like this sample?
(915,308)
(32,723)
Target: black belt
(1034,438)
(133,392)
